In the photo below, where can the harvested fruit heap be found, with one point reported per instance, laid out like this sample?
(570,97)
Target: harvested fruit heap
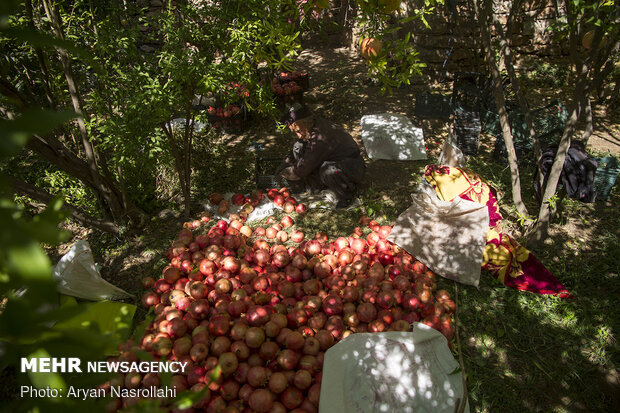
(289,83)
(253,318)
(230,108)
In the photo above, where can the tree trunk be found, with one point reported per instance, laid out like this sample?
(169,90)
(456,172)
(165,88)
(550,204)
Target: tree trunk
(590,73)
(41,58)
(589,122)
(108,200)
(179,165)
(541,229)
(121,182)
(187,153)
(500,101)
(516,86)
(53,150)
(83,218)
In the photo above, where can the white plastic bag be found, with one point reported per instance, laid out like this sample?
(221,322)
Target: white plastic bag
(78,276)
(405,372)
(264,209)
(451,155)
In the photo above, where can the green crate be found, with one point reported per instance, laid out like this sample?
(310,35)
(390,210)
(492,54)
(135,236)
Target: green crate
(605,176)
(548,121)
(433,106)
(264,172)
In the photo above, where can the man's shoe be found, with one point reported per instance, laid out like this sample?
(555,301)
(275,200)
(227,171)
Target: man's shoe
(344,202)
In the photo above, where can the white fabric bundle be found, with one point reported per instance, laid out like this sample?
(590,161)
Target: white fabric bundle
(448,237)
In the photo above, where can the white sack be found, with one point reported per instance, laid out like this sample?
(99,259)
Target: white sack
(392,136)
(78,276)
(264,209)
(448,237)
(396,371)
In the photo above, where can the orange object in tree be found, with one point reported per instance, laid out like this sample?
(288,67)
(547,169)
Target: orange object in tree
(370,48)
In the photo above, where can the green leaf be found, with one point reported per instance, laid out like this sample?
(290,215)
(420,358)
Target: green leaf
(14,134)
(11,142)
(8,7)
(37,121)
(42,40)
(43,380)
(29,261)
(45,225)
(111,318)
(188,398)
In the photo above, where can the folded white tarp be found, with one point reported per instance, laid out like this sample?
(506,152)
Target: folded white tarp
(392,136)
(404,372)
(448,237)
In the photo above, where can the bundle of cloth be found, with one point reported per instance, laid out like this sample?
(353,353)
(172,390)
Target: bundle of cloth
(503,257)
(454,226)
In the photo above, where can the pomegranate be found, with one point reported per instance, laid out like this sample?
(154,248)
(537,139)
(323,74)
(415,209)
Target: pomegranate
(228,362)
(278,382)
(261,401)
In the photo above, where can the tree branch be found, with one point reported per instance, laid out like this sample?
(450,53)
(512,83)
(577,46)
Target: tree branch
(80,216)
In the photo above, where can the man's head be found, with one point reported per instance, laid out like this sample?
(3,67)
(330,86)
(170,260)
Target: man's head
(299,120)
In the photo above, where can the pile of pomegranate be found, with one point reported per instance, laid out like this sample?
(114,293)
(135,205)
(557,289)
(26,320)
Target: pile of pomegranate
(253,317)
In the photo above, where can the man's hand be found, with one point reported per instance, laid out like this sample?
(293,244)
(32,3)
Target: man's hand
(280,168)
(288,174)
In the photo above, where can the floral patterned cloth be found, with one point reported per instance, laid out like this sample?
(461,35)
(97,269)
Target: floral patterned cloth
(508,261)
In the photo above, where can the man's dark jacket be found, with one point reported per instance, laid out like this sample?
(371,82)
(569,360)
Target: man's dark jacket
(327,142)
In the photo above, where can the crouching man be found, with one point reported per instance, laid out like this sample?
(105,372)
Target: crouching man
(325,156)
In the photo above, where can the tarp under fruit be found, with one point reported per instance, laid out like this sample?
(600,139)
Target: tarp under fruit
(405,372)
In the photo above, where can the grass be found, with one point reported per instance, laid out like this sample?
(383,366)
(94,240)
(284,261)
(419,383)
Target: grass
(526,352)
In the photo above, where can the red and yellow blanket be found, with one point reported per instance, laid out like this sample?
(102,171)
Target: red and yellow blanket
(508,261)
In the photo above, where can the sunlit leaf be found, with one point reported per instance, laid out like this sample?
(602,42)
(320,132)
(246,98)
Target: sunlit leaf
(188,398)
(29,261)
(43,379)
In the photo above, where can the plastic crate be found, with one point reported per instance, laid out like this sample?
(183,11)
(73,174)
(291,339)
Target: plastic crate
(605,176)
(302,79)
(264,172)
(469,90)
(548,121)
(433,106)
(467,127)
